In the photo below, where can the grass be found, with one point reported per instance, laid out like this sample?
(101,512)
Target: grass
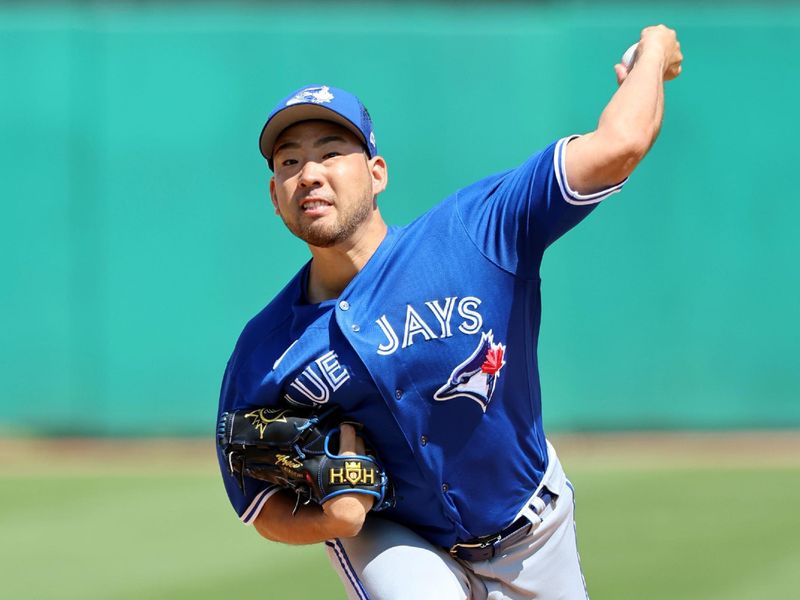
(696,534)
(156,532)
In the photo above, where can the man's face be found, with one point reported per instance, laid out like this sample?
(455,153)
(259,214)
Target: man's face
(324,185)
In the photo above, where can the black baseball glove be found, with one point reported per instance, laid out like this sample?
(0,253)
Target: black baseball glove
(292,450)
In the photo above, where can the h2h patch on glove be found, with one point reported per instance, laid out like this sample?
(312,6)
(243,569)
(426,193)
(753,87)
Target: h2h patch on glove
(292,450)
(352,473)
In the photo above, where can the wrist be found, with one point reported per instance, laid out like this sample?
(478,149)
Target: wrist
(654,55)
(345,514)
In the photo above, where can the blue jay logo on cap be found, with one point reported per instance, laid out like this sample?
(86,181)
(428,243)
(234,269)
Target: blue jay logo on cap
(317,95)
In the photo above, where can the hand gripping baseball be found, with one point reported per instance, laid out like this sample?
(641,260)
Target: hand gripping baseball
(656,41)
(293,450)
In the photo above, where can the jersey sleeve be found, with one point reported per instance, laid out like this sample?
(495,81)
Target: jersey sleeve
(248,502)
(514,216)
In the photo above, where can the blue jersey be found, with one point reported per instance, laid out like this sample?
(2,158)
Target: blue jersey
(432,346)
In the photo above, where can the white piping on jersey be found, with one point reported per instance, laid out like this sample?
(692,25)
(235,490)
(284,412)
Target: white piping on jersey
(285,352)
(249,515)
(570,195)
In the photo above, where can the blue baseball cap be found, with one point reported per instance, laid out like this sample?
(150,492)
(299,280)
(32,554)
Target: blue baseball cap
(318,102)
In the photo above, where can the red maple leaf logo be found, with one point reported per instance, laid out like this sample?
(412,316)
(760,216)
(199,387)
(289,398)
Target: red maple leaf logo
(494,360)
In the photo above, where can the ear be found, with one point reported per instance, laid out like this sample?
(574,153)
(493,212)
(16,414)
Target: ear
(273,196)
(380,174)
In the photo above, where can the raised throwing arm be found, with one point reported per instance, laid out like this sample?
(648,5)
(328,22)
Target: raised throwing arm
(630,122)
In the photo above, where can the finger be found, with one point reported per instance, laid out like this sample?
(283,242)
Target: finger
(621,73)
(673,72)
(360,448)
(356,425)
(347,439)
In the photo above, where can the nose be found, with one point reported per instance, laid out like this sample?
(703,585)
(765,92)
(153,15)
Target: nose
(311,174)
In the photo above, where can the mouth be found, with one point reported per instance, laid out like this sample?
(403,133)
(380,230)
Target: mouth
(314,204)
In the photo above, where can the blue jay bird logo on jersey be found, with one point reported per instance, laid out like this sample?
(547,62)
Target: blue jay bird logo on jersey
(476,377)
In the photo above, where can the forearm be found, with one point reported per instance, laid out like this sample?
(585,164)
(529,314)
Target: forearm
(630,122)
(632,118)
(310,524)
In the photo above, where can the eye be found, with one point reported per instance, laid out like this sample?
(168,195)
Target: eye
(288,162)
(330,154)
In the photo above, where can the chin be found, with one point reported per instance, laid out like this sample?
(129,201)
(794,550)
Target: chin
(320,238)
(321,243)
(328,232)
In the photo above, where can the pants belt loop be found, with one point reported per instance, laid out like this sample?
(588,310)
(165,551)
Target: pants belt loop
(538,505)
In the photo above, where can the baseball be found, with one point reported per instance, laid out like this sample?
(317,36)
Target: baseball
(630,56)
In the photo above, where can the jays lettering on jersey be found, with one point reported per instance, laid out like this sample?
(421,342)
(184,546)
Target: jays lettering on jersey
(432,346)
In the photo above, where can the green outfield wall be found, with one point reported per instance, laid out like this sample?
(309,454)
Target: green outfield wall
(136,236)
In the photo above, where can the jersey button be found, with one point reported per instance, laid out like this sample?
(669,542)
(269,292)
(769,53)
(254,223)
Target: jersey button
(445,487)
(344,305)
(398,393)
(355,327)
(423,440)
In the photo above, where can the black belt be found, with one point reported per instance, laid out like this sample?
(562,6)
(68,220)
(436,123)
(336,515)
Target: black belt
(489,546)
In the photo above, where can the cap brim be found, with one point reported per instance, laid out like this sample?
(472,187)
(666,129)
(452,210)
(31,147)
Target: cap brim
(294,114)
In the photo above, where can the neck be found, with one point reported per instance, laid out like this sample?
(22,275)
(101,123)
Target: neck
(333,268)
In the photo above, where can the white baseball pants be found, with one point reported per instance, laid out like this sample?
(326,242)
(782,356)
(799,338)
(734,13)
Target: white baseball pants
(387,561)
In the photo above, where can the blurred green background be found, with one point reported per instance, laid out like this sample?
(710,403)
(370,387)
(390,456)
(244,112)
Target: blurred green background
(659,518)
(137,237)
(136,240)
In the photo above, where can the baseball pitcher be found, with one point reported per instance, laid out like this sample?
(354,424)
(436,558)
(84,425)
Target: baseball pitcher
(386,402)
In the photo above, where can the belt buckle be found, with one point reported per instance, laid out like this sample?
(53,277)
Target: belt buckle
(477,545)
